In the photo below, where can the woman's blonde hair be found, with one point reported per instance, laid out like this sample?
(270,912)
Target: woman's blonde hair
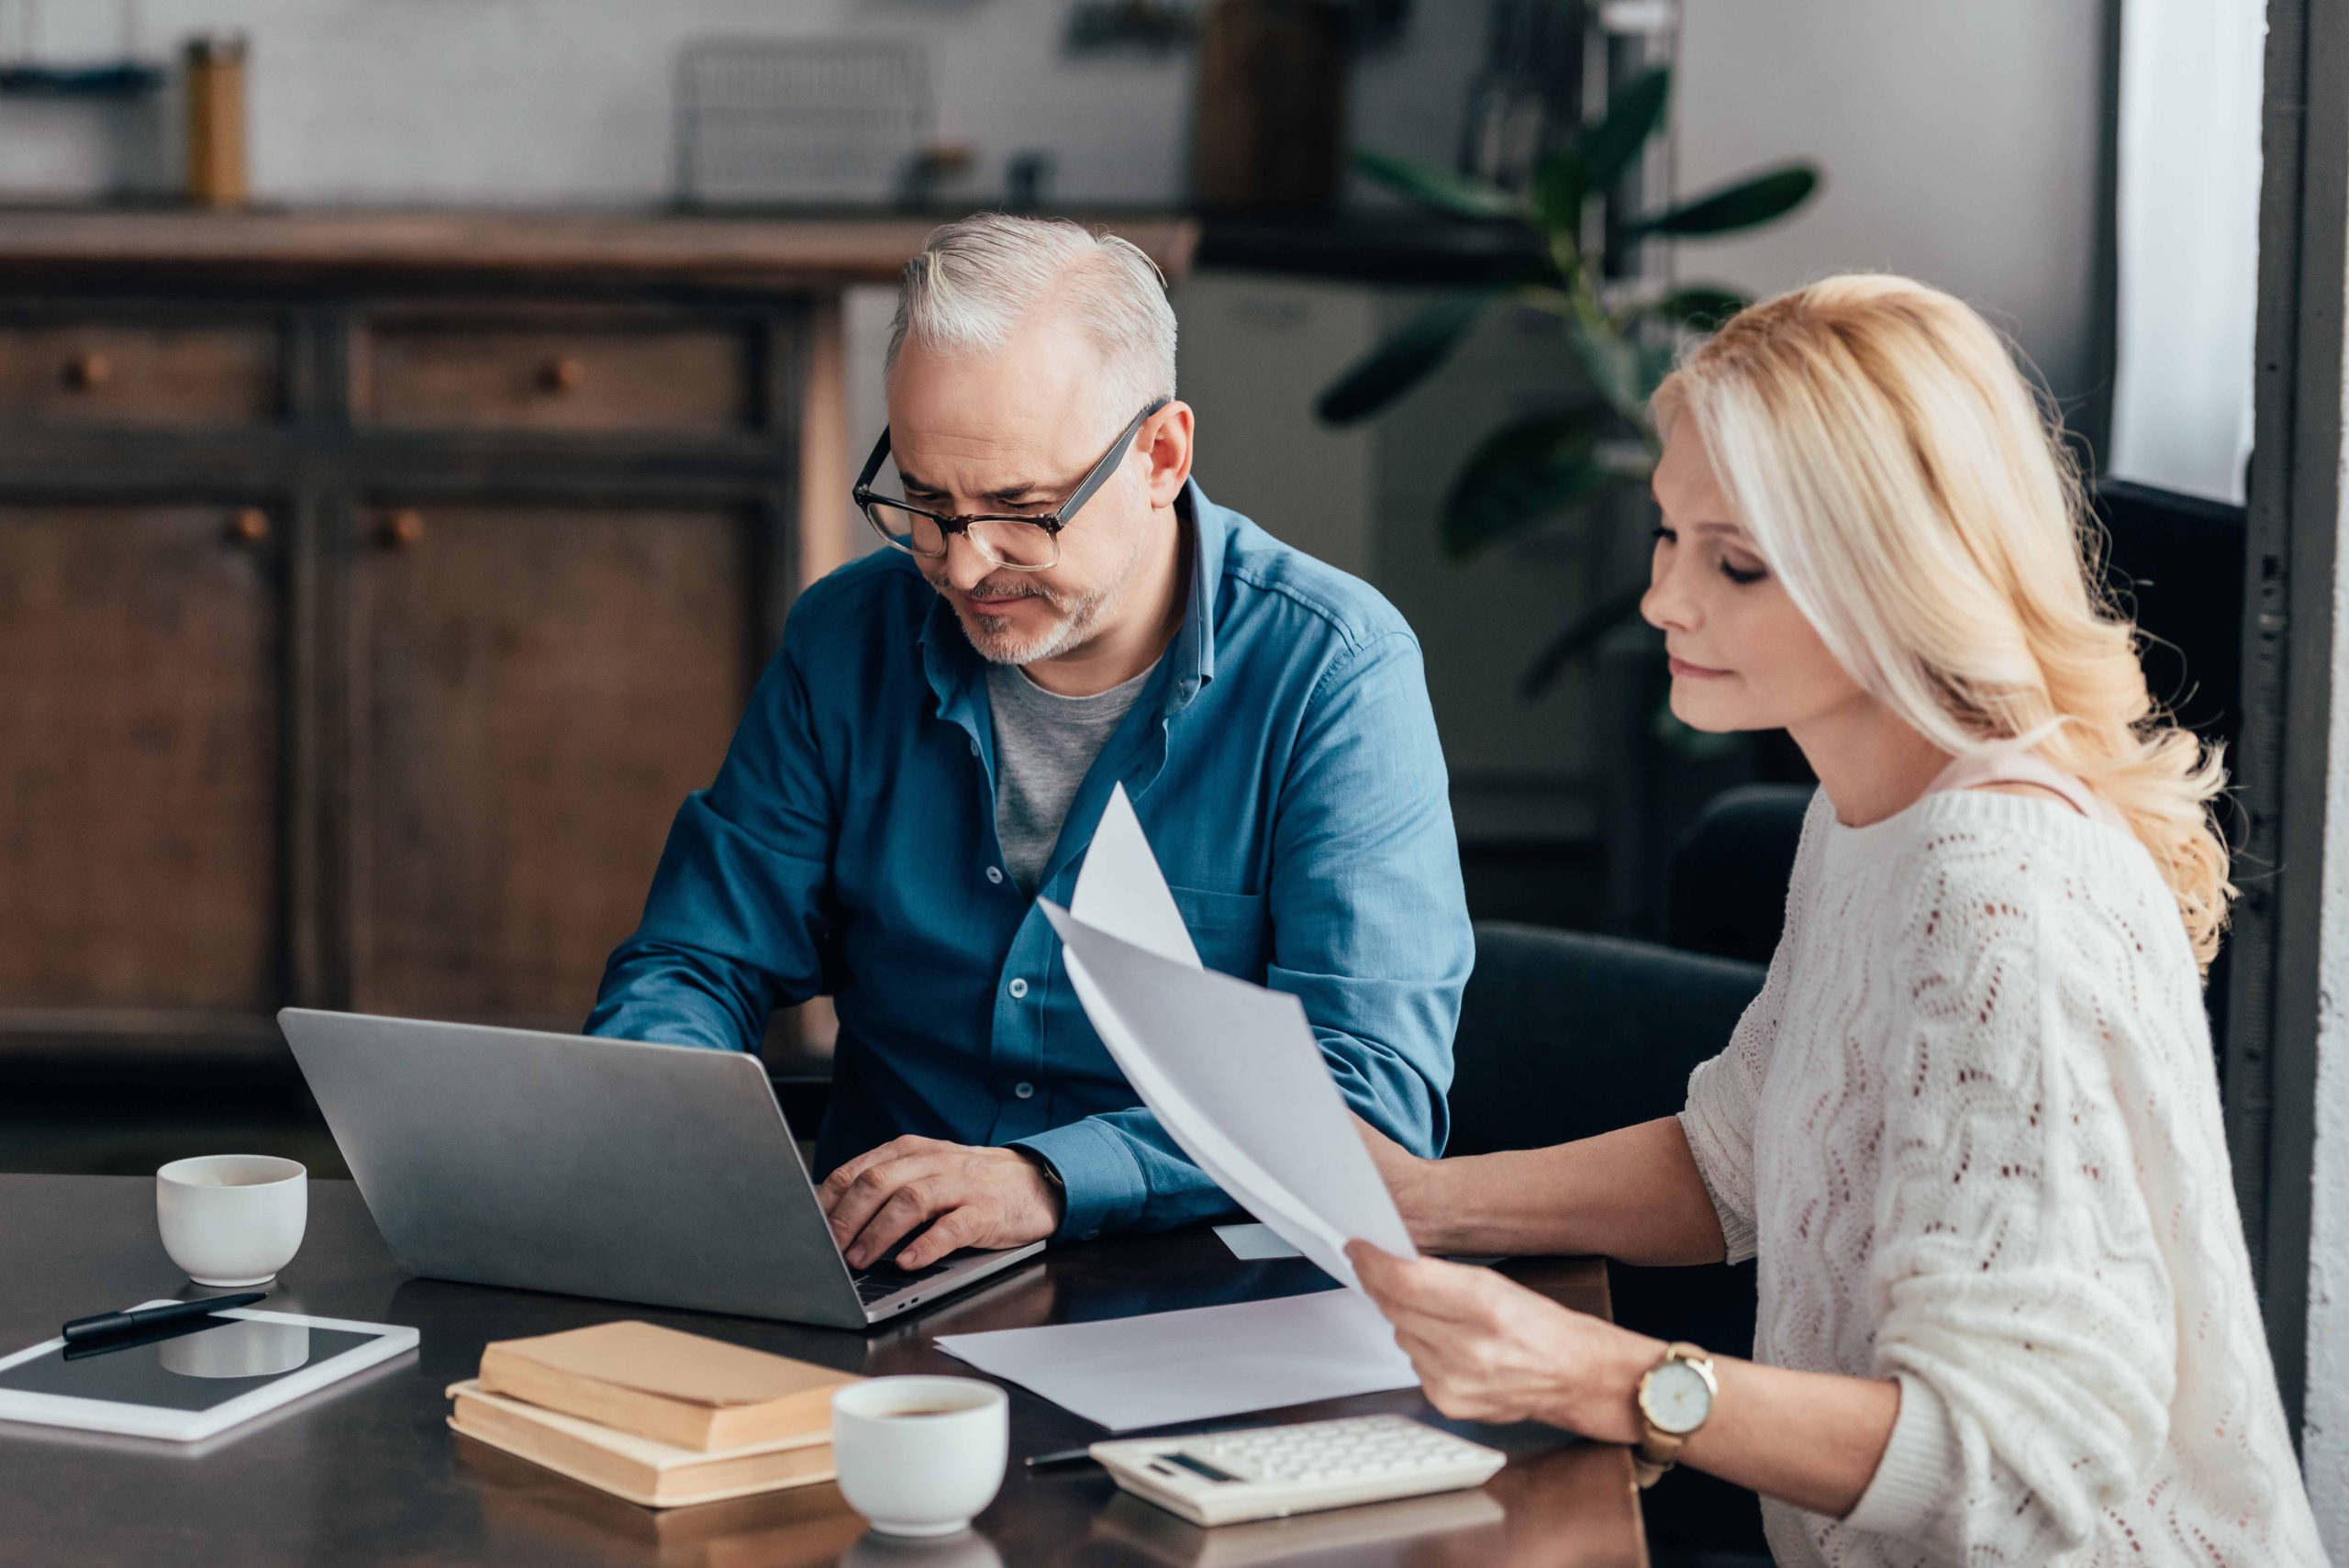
(1906,483)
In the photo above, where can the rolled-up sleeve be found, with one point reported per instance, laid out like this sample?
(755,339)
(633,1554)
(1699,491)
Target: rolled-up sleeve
(1717,1123)
(1370,920)
(1723,1095)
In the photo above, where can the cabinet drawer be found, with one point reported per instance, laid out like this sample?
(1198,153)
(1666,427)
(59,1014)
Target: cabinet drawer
(434,376)
(121,373)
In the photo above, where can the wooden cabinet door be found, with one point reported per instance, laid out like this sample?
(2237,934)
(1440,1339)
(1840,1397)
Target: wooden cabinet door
(536,691)
(140,720)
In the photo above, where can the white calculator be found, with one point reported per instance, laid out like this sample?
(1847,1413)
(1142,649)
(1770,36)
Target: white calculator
(1218,1478)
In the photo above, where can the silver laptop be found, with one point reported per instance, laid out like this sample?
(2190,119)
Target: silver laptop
(659,1173)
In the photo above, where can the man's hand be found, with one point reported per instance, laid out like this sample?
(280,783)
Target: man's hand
(972,1198)
(1486,1349)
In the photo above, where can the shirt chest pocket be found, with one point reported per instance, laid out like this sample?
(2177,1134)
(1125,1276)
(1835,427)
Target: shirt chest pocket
(1229,930)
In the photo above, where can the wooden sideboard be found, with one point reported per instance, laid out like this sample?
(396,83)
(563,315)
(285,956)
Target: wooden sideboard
(374,587)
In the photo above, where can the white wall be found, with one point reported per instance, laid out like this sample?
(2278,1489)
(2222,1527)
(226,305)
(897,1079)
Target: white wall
(1959,143)
(554,100)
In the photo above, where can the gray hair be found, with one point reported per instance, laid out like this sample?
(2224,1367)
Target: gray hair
(976,280)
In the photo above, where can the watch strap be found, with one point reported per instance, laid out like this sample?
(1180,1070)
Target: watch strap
(1044,1165)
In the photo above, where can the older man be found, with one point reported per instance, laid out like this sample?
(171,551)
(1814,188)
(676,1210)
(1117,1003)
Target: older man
(1060,608)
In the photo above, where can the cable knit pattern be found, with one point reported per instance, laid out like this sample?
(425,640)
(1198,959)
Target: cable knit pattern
(1971,1128)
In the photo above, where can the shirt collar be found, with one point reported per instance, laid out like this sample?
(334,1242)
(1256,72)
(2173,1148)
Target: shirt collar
(952,665)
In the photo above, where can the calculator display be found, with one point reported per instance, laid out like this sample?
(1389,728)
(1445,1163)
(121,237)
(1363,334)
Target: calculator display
(1197,1466)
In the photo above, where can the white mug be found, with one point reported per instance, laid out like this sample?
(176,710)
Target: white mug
(921,1455)
(232,1219)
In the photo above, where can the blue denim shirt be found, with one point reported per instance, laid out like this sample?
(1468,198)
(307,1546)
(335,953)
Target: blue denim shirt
(1282,760)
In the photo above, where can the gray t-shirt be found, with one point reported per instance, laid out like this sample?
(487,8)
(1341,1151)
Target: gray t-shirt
(1043,744)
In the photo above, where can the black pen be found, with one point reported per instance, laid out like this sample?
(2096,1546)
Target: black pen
(1061,1456)
(106,1325)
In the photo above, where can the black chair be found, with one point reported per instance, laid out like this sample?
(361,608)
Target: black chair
(1564,1035)
(1730,871)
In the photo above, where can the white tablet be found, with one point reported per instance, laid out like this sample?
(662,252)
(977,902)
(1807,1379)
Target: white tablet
(203,1379)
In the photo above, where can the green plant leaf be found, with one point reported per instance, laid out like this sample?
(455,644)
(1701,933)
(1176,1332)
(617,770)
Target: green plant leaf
(1702,307)
(1614,367)
(1576,638)
(1745,205)
(1608,148)
(1521,476)
(1396,366)
(1438,188)
(1560,186)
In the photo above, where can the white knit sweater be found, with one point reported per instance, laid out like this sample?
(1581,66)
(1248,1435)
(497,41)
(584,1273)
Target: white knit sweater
(1971,1128)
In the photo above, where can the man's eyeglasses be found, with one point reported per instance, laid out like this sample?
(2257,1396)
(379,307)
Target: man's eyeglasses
(1016,541)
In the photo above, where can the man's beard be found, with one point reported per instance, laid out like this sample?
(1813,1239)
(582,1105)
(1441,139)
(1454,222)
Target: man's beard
(1078,613)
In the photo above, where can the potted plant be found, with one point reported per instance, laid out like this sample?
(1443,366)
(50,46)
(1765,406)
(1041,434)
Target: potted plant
(1618,340)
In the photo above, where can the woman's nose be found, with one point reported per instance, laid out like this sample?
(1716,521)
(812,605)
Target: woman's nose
(1668,605)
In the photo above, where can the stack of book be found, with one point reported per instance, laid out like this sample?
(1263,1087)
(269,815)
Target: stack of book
(651,1415)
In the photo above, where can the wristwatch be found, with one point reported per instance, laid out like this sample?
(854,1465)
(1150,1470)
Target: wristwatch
(1675,1397)
(1051,1172)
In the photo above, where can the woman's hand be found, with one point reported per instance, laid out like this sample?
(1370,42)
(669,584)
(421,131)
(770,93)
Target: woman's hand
(1488,1349)
(1411,1179)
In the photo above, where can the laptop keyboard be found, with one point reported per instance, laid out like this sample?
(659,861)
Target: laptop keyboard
(885,1280)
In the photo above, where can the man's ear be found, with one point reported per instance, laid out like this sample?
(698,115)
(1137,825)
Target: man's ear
(1166,442)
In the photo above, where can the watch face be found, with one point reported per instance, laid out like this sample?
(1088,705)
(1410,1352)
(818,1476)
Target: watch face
(1676,1397)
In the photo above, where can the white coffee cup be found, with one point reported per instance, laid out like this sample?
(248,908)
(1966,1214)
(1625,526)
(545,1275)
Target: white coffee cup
(921,1455)
(232,1219)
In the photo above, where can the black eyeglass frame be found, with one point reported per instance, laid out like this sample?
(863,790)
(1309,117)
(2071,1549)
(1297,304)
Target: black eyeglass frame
(1051,522)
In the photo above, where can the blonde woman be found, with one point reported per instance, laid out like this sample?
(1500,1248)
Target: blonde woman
(1971,1125)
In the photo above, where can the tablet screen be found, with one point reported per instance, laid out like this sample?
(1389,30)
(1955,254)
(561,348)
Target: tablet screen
(220,1361)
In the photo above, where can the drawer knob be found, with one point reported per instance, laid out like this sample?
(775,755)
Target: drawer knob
(248,527)
(400,529)
(88,372)
(561,375)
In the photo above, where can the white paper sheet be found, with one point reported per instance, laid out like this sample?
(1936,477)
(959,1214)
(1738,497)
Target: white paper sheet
(1120,890)
(1231,1070)
(1166,1367)
(1253,1243)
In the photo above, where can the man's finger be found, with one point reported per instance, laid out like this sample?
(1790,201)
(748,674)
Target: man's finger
(868,1193)
(953,1229)
(848,1171)
(913,1202)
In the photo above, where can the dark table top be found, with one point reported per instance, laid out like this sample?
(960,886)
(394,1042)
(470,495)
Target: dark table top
(367,1471)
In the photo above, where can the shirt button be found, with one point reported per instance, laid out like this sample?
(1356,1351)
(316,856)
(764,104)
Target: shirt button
(974,747)
(994,874)
(1018,989)
(1023,1090)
